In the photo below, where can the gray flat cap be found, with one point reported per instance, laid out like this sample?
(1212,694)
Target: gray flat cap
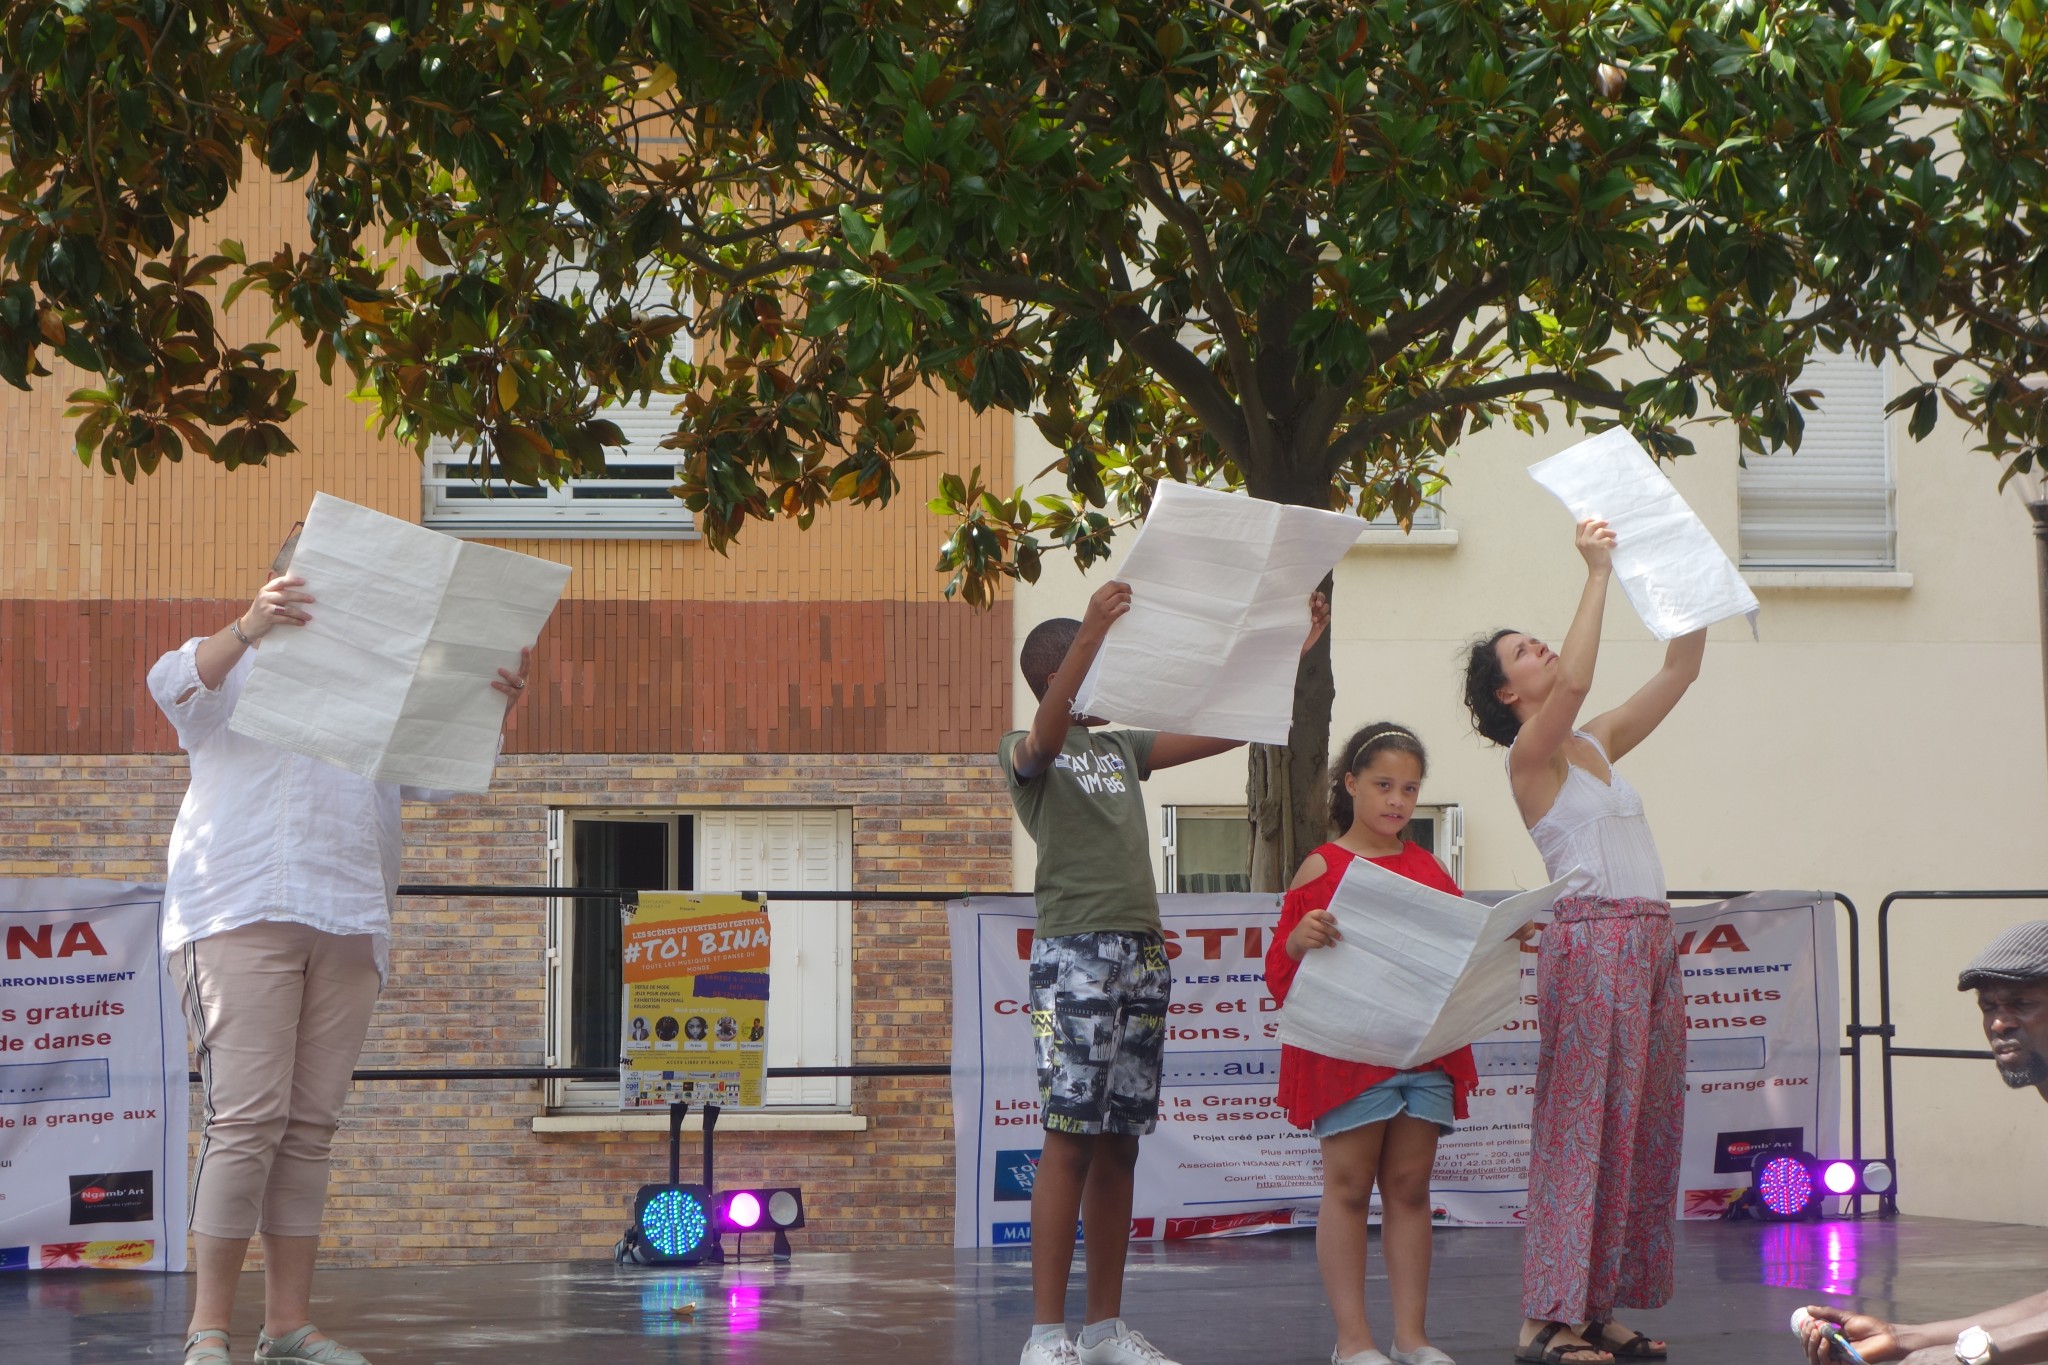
(2018,954)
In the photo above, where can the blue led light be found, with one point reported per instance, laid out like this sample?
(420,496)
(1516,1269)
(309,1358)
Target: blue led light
(674,1222)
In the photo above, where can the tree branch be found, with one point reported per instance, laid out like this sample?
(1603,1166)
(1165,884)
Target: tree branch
(1258,425)
(1364,432)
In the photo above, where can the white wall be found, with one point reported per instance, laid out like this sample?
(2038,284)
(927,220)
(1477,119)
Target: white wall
(1870,741)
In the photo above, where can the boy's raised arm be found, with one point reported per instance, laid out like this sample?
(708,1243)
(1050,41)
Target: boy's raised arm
(1169,751)
(1048,734)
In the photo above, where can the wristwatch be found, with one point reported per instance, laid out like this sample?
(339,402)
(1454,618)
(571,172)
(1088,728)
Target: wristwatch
(1973,1347)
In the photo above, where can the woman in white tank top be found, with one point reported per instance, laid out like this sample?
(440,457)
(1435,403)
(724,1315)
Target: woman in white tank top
(1610,1079)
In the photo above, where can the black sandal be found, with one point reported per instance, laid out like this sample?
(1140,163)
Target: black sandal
(1540,1352)
(1637,1347)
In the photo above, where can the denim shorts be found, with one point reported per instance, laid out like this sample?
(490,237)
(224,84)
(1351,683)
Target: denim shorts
(1098,1020)
(1427,1095)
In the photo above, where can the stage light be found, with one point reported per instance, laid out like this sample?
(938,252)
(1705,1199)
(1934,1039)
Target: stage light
(671,1226)
(1850,1176)
(778,1209)
(743,1211)
(1784,1185)
(672,1223)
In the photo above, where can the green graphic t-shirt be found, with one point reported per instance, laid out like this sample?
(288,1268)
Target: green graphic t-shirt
(1087,817)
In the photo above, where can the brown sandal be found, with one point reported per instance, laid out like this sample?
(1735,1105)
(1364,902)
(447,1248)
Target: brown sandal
(1636,1347)
(1540,1351)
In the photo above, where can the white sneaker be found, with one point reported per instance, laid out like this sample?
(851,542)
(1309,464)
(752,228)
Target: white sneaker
(1125,1348)
(1057,1350)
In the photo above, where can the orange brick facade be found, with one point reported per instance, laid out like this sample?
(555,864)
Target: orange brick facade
(818,668)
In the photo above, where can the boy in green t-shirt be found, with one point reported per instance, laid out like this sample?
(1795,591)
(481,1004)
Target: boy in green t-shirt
(1099,979)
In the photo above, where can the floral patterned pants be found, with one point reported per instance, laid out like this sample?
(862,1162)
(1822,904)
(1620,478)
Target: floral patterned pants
(1610,1111)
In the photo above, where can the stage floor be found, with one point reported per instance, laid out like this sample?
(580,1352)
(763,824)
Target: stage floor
(1253,1299)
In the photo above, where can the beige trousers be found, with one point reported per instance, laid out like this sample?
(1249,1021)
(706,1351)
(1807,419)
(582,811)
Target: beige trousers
(277,1014)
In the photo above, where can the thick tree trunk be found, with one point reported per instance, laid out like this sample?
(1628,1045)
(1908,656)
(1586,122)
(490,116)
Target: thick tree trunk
(1286,794)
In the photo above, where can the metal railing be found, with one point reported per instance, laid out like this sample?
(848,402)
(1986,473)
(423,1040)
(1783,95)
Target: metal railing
(625,895)
(1856,1030)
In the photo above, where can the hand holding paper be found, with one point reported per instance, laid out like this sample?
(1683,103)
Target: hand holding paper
(1669,564)
(412,631)
(1415,972)
(1219,610)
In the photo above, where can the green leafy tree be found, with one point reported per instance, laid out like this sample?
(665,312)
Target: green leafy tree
(1300,249)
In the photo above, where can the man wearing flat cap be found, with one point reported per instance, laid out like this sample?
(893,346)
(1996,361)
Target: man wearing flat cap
(2011,980)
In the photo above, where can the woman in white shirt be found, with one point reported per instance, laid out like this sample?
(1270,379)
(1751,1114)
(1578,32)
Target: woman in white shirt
(277,916)
(1610,1079)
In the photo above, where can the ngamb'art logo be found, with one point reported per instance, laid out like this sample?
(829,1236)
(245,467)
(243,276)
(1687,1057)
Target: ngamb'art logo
(113,1197)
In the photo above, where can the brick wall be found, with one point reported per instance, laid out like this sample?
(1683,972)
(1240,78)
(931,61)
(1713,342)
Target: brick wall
(452,1171)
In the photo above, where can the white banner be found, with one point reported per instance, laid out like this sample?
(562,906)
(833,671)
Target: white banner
(1763,1072)
(92,1080)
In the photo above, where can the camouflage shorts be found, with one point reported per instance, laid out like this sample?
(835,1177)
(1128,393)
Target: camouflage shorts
(1098,1021)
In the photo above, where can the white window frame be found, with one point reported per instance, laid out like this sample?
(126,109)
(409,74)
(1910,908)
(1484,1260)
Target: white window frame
(1446,819)
(633,504)
(1833,505)
(810,999)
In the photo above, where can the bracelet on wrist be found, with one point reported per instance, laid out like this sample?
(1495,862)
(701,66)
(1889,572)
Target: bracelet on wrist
(236,626)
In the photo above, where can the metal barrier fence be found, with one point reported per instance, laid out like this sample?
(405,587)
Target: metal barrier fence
(1855,1030)
(621,895)
(1887,1031)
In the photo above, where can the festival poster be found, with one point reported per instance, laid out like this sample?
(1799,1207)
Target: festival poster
(93,1090)
(694,1025)
(1763,1068)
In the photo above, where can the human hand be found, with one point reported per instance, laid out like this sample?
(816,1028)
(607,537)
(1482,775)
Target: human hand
(1526,932)
(1318,620)
(1595,544)
(280,603)
(1109,602)
(513,685)
(1318,929)
(1874,1339)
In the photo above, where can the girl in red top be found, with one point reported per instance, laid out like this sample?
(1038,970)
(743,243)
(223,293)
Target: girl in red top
(1375,1124)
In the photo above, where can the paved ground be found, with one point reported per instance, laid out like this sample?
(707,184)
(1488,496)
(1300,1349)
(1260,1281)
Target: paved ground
(1254,1299)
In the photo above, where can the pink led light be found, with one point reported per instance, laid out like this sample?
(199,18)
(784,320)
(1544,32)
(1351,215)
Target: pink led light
(744,1210)
(1839,1177)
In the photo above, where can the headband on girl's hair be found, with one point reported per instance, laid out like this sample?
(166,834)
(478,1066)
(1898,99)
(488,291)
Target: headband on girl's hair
(1395,732)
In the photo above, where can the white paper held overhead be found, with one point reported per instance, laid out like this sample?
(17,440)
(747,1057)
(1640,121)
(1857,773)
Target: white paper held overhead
(1674,572)
(1220,585)
(1415,973)
(392,677)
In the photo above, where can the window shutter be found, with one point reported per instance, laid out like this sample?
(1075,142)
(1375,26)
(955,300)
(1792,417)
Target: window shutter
(809,1023)
(631,496)
(1830,505)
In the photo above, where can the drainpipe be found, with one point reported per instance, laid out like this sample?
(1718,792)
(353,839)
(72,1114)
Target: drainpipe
(2038,509)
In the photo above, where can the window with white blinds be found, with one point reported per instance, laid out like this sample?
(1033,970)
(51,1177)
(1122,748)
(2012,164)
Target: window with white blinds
(1830,505)
(810,967)
(630,499)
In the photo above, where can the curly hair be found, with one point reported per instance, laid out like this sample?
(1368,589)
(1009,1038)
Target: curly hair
(1045,649)
(1380,737)
(1484,677)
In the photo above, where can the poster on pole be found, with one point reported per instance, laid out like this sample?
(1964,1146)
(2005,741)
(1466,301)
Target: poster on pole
(694,1023)
(93,1092)
(1763,1071)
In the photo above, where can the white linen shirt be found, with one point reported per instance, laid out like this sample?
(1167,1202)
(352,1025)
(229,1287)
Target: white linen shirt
(267,834)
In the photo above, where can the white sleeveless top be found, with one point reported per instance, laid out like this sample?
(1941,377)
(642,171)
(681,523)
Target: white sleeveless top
(1599,828)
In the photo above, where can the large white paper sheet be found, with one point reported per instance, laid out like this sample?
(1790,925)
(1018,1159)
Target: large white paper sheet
(392,677)
(1220,585)
(1674,572)
(1415,972)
